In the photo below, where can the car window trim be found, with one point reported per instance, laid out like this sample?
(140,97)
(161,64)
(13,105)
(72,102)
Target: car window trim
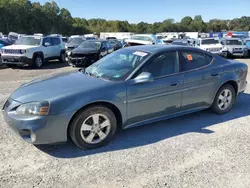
(130,77)
(199,67)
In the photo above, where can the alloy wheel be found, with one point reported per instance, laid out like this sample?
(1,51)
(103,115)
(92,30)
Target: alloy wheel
(39,62)
(225,99)
(95,128)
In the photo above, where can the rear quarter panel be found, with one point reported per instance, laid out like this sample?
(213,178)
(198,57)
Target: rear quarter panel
(234,71)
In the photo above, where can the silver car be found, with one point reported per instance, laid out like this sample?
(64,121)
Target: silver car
(130,87)
(233,47)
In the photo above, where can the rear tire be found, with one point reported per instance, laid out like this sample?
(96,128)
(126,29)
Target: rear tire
(224,99)
(38,61)
(62,58)
(93,127)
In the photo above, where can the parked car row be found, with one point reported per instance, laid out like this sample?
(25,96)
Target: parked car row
(35,50)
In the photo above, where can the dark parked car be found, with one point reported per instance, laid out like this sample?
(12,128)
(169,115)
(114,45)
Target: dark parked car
(5,42)
(181,42)
(116,44)
(130,87)
(89,52)
(72,44)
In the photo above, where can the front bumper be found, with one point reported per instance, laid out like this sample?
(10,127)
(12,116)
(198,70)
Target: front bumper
(16,60)
(37,129)
(235,53)
(80,61)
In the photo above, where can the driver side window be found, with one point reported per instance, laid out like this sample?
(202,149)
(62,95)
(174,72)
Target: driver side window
(163,65)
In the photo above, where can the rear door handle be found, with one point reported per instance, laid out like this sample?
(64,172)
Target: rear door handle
(214,74)
(174,84)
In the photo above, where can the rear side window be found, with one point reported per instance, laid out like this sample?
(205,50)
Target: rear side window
(56,41)
(193,60)
(208,58)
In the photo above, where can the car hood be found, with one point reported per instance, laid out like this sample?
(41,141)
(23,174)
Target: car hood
(61,85)
(72,45)
(84,51)
(19,47)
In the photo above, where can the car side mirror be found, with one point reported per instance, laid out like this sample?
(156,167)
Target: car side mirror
(144,77)
(46,44)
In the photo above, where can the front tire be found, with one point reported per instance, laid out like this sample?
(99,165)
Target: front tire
(93,127)
(224,99)
(37,61)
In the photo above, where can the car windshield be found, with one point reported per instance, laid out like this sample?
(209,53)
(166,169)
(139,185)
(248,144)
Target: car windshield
(118,65)
(33,41)
(76,41)
(234,42)
(64,39)
(91,44)
(209,41)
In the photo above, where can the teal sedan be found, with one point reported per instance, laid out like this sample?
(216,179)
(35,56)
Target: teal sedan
(131,87)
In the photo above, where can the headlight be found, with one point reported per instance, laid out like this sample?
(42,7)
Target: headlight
(34,109)
(23,51)
(69,53)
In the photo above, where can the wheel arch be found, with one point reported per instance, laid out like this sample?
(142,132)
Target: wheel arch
(63,51)
(38,53)
(230,82)
(106,104)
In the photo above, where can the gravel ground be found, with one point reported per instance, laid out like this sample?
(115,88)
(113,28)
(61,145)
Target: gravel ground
(198,150)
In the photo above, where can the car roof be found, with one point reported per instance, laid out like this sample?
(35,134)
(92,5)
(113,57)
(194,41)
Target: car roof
(154,49)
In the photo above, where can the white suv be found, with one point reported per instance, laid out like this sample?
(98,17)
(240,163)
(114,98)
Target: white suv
(33,50)
(212,45)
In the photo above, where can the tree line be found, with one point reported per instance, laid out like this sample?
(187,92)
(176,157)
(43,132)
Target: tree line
(23,16)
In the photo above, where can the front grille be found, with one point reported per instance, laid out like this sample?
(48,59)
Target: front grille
(237,49)
(78,55)
(214,49)
(7,51)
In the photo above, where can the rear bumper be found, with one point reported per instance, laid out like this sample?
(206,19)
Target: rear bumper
(242,86)
(16,60)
